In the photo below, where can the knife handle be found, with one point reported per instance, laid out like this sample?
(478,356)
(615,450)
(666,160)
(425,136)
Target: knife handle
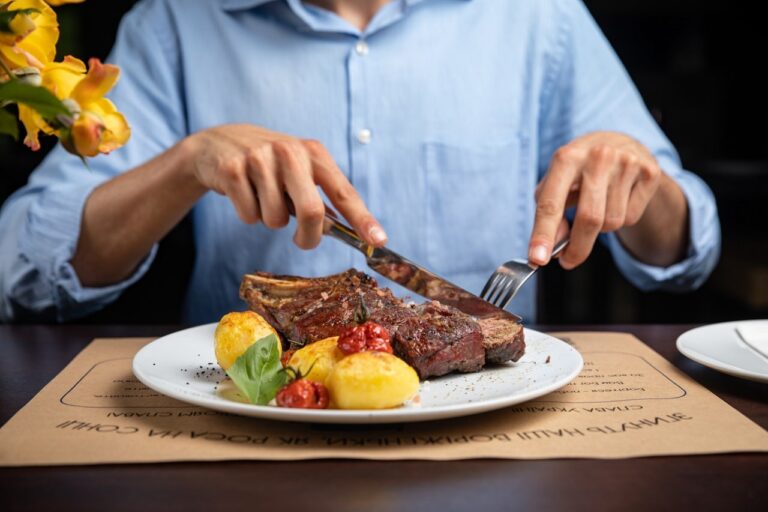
(333,227)
(559,246)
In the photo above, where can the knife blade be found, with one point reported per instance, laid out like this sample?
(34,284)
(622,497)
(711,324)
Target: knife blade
(412,275)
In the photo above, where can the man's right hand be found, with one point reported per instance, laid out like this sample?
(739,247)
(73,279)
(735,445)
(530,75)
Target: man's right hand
(259,170)
(256,168)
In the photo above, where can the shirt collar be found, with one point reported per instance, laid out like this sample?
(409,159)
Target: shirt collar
(236,5)
(308,18)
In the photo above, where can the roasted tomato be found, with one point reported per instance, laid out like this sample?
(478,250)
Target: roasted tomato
(369,336)
(303,394)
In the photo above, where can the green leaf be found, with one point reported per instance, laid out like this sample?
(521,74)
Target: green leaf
(7,16)
(258,372)
(8,124)
(38,98)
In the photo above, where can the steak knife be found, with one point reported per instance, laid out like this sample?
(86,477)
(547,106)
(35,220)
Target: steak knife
(411,275)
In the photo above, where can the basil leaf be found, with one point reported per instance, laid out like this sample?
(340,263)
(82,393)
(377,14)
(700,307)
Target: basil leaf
(258,372)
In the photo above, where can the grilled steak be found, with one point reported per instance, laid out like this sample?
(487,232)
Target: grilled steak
(310,309)
(439,339)
(502,339)
(433,338)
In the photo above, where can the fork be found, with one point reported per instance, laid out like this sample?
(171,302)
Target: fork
(507,279)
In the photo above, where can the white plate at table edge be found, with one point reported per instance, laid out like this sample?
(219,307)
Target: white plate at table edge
(566,364)
(688,346)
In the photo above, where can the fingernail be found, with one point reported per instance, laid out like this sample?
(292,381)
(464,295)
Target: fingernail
(377,235)
(539,253)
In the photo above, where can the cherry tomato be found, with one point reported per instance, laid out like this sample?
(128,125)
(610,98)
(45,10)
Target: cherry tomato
(367,336)
(303,394)
(379,345)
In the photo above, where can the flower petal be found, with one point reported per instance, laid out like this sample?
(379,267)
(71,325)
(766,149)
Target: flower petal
(116,134)
(85,135)
(116,128)
(98,81)
(62,2)
(32,124)
(40,44)
(62,77)
(21,26)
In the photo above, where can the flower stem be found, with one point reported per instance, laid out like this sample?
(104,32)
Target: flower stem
(7,70)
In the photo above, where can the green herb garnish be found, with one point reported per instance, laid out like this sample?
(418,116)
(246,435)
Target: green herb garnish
(258,372)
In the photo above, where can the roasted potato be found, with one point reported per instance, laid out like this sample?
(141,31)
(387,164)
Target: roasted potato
(320,356)
(371,380)
(236,332)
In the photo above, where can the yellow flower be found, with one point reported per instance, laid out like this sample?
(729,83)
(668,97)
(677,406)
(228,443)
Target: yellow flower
(97,126)
(20,27)
(33,123)
(33,38)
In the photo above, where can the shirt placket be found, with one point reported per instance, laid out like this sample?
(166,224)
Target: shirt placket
(361,134)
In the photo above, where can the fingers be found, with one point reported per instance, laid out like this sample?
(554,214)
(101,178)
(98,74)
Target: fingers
(591,207)
(619,190)
(609,177)
(550,206)
(237,187)
(343,195)
(262,171)
(641,193)
(231,180)
(263,165)
(295,169)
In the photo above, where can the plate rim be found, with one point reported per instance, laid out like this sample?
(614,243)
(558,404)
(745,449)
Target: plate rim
(336,416)
(715,364)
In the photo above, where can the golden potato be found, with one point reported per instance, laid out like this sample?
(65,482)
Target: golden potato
(324,354)
(371,380)
(236,332)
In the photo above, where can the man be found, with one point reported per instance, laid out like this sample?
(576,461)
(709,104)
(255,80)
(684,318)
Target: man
(465,127)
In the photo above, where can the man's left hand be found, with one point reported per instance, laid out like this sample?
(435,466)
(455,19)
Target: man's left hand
(611,179)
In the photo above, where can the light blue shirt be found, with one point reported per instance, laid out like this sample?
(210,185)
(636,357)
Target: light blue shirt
(444,114)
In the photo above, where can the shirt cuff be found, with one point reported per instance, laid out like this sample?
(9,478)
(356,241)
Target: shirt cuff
(703,245)
(48,241)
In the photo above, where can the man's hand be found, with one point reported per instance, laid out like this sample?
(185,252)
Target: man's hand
(616,185)
(258,170)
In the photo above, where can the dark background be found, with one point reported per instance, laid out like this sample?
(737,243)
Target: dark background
(697,65)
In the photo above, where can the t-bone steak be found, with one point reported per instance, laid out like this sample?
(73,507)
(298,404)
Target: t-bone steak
(433,338)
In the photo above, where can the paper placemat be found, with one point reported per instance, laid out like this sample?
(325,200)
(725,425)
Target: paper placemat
(627,402)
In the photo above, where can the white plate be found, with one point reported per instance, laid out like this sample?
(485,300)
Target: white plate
(719,347)
(182,365)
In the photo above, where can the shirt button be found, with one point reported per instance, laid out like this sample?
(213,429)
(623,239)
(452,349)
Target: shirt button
(361,48)
(364,136)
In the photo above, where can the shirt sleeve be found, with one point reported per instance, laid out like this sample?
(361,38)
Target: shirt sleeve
(41,222)
(587,89)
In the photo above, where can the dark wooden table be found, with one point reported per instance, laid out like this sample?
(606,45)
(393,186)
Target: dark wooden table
(30,356)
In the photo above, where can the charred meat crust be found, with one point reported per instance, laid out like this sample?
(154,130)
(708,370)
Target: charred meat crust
(433,338)
(438,340)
